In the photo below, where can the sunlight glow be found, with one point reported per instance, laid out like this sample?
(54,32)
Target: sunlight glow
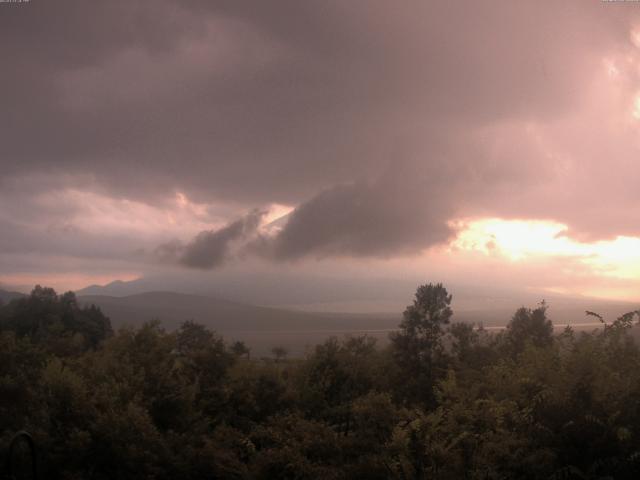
(62,282)
(636,107)
(277,211)
(275,219)
(526,240)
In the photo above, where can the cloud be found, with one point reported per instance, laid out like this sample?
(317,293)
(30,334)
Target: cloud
(380,218)
(210,249)
(229,102)
(380,123)
(361,219)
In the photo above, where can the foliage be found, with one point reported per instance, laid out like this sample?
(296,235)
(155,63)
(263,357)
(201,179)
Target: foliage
(441,401)
(529,326)
(417,348)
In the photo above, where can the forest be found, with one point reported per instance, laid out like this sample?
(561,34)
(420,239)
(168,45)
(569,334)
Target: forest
(442,400)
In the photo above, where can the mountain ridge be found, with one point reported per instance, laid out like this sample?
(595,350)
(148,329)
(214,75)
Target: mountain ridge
(8,295)
(173,308)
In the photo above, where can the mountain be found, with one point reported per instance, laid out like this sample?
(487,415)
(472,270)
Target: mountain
(6,295)
(173,308)
(487,303)
(262,328)
(263,287)
(117,288)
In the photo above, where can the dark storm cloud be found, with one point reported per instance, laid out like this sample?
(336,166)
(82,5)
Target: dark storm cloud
(210,249)
(393,215)
(304,103)
(365,219)
(254,102)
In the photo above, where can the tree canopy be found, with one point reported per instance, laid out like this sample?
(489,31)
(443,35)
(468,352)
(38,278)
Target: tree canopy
(441,400)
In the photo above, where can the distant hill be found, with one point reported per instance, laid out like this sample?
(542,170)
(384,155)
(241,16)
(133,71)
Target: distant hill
(117,288)
(263,327)
(485,303)
(260,327)
(6,295)
(226,316)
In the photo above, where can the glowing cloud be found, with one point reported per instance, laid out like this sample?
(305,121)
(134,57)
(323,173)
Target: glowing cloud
(526,240)
(63,281)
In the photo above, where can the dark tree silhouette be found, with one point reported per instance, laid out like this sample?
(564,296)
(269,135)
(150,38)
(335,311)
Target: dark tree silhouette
(417,347)
(240,349)
(279,353)
(530,326)
(57,321)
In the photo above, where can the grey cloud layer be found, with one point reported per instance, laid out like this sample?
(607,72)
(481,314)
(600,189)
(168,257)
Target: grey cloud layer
(364,219)
(313,104)
(358,219)
(210,249)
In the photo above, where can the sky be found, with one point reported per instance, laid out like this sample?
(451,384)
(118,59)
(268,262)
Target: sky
(487,143)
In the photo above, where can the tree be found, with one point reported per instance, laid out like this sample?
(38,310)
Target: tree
(280,353)
(531,326)
(336,373)
(57,322)
(240,349)
(193,337)
(206,362)
(417,347)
